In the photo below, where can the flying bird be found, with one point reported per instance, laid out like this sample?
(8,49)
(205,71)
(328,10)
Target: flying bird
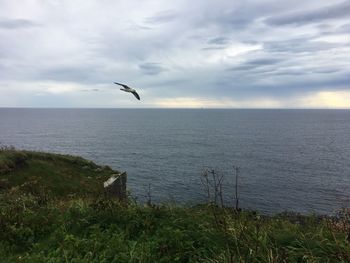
(128,89)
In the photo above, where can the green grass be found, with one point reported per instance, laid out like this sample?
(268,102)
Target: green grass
(10,158)
(63,218)
(60,175)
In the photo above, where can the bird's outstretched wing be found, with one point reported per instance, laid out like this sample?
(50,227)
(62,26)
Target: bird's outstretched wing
(136,95)
(128,89)
(123,85)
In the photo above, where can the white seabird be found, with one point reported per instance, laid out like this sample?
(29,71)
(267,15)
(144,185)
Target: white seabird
(128,89)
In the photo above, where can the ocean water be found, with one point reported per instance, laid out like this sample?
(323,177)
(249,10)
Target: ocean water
(295,160)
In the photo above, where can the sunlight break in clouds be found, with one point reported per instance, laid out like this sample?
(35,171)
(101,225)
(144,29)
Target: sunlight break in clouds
(327,99)
(226,54)
(341,38)
(322,99)
(185,102)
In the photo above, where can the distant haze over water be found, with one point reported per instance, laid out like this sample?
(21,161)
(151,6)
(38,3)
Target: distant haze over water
(295,160)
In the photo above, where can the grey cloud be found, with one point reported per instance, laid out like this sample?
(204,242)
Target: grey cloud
(286,71)
(89,90)
(87,74)
(256,63)
(241,67)
(166,60)
(214,48)
(310,16)
(232,20)
(151,68)
(140,27)
(16,23)
(169,82)
(218,41)
(161,18)
(299,45)
(337,82)
(295,72)
(264,61)
(326,70)
(290,73)
(235,16)
(236,20)
(283,86)
(67,73)
(344,28)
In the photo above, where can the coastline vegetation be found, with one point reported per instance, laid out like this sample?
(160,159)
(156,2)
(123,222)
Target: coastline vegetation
(53,209)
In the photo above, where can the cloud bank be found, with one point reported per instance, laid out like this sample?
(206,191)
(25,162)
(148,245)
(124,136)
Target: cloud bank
(207,54)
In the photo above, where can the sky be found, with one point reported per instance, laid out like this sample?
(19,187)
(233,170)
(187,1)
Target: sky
(176,54)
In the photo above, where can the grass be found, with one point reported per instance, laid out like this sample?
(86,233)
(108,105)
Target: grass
(57,224)
(60,175)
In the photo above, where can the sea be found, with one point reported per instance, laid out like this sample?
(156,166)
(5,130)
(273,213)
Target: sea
(289,160)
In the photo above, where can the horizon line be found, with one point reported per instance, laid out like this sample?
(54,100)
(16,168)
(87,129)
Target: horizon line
(170,108)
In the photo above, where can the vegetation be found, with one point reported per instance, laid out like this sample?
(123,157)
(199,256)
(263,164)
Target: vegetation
(50,174)
(52,209)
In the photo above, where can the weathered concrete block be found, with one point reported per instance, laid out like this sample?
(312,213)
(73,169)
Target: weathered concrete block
(115,186)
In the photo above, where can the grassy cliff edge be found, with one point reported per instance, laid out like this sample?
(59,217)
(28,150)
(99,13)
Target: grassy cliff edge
(52,209)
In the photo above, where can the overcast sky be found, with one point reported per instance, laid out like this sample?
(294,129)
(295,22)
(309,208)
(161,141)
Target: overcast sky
(198,53)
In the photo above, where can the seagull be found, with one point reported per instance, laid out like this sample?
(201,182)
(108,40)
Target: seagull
(128,89)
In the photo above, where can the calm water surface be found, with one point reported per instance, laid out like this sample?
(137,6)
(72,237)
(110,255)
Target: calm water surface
(290,159)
